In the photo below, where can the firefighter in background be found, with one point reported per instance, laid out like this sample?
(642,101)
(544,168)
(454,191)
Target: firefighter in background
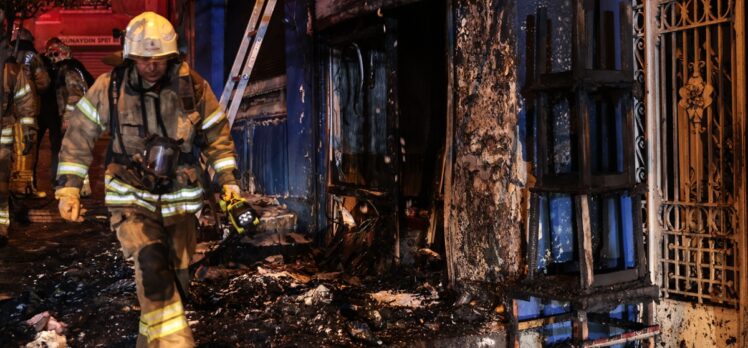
(71,83)
(25,155)
(49,120)
(18,104)
(157,110)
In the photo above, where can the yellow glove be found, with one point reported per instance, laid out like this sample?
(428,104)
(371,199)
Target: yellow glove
(231,191)
(70,203)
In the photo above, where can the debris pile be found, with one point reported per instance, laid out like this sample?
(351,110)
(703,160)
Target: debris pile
(77,273)
(276,304)
(49,331)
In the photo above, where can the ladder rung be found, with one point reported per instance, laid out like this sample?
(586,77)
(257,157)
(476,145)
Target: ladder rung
(252,33)
(239,77)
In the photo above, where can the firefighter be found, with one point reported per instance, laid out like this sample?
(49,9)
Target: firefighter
(18,105)
(157,111)
(22,175)
(71,82)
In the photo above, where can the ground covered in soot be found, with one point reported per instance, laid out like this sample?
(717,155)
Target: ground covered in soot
(77,274)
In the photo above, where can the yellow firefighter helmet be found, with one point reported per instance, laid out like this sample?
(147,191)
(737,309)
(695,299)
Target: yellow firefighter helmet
(150,35)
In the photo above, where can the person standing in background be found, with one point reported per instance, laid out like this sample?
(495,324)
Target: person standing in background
(70,84)
(49,120)
(17,103)
(22,181)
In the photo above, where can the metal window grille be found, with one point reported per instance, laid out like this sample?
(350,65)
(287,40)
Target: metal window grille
(699,216)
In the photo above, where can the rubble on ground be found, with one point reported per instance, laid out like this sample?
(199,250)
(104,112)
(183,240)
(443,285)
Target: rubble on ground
(48,339)
(271,299)
(46,322)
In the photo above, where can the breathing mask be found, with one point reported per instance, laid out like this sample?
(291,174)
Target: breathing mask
(160,161)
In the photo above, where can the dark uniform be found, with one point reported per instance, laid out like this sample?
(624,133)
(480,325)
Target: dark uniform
(49,120)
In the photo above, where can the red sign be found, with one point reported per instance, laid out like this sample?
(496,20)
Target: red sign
(86,40)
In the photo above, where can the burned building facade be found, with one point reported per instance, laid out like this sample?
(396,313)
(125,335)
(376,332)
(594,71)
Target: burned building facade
(584,158)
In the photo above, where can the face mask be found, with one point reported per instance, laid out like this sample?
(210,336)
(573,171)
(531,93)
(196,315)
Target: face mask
(160,162)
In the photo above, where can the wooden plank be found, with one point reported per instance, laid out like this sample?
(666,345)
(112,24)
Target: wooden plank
(360,192)
(438,195)
(514,334)
(739,75)
(607,320)
(583,49)
(627,36)
(532,235)
(543,128)
(584,238)
(331,12)
(393,131)
(530,49)
(605,279)
(580,327)
(541,105)
(450,226)
(542,37)
(540,322)
(580,110)
(642,260)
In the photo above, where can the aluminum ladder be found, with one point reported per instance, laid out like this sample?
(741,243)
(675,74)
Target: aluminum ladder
(233,91)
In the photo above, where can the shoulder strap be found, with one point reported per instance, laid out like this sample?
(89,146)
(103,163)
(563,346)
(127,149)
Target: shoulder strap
(10,80)
(187,92)
(12,76)
(115,82)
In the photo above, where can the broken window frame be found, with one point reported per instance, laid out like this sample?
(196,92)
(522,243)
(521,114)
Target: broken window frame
(338,42)
(588,291)
(590,75)
(385,198)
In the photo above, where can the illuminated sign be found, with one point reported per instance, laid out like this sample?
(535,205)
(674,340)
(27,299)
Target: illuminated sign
(85,40)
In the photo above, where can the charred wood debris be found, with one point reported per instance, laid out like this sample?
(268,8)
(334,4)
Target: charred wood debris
(69,285)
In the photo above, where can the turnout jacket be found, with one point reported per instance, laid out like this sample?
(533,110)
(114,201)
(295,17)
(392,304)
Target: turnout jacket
(17,91)
(33,66)
(207,122)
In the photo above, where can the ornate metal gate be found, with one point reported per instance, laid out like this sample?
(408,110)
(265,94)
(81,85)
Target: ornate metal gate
(699,58)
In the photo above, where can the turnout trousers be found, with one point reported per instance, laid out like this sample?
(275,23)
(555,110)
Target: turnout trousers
(49,122)
(162,256)
(22,174)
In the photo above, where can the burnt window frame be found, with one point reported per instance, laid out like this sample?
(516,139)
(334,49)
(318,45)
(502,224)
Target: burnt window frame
(366,28)
(590,75)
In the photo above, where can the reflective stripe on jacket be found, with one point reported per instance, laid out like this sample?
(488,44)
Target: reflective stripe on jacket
(90,119)
(17,87)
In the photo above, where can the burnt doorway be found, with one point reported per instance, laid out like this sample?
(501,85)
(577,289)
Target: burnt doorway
(385,104)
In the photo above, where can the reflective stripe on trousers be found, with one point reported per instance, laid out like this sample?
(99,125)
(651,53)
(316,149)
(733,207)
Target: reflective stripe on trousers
(162,256)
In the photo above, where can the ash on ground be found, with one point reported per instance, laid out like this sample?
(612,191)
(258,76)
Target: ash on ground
(76,272)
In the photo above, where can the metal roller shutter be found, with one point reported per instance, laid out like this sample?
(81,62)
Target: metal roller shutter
(92,60)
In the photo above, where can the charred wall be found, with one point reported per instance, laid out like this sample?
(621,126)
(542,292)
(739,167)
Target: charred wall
(485,219)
